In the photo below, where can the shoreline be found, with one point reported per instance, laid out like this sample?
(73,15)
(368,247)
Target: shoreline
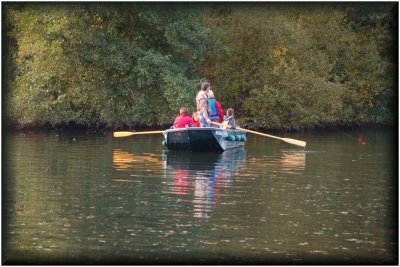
(71,127)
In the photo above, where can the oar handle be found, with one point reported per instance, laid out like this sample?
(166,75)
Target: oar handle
(263,134)
(220,124)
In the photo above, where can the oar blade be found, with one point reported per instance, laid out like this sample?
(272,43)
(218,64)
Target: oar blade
(294,142)
(122,134)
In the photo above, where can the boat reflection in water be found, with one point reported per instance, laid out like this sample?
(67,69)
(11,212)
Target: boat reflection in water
(195,178)
(199,177)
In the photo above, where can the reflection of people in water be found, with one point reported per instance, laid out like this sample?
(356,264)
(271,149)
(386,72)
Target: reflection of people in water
(182,183)
(205,194)
(361,139)
(204,174)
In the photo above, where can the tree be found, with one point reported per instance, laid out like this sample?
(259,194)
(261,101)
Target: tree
(116,64)
(302,65)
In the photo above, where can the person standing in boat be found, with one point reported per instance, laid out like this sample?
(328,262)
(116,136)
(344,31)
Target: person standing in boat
(183,120)
(203,106)
(230,119)
(217,114)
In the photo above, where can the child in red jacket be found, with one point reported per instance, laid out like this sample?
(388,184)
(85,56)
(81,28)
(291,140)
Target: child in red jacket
(196,119)
(184,119)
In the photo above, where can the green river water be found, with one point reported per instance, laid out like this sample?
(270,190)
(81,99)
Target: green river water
(86,198)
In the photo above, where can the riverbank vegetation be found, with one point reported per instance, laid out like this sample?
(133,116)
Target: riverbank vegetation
(285,65)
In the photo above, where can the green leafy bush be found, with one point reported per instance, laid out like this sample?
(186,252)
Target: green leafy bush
(301,65)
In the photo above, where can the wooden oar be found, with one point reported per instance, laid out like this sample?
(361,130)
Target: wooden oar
(287,140)
(126,134)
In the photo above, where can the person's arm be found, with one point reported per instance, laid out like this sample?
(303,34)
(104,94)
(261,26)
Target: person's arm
(220,111)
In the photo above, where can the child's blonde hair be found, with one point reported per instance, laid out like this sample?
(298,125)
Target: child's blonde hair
(229,112)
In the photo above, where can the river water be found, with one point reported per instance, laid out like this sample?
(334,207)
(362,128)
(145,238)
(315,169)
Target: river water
(87,198)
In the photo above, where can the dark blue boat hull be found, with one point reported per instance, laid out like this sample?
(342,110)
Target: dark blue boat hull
(204,139)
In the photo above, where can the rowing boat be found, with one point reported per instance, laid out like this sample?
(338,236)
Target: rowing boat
(204,139)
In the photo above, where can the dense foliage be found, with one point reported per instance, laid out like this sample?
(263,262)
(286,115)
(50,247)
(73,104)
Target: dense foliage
(304,65)
(286,65)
